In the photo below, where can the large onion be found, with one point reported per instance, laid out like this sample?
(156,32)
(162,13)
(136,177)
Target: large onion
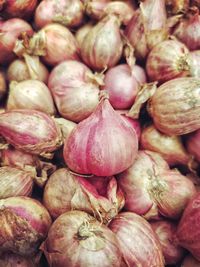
(24,224)
(102,46)
(159,191)
(78,239)
(138,242)
(74,89)
(103,144)
(98,196)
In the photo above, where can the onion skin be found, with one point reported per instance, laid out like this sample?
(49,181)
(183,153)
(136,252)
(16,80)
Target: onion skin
(161,191)
(170,147)
(24,225)
(66,127)
(167,60)
(13,260)
(64,12)
(91,156)
(102,46)
(19,71)
(175,106)
(82,32)
(190,261)
(165,231)
(3,86)
(31,131)
(98,196)
(194,63)
(188,227)
(93,243)
(30,94)
(138,242)
(135,124)
(193,143)
(10,31)
(75,92)
(14,182)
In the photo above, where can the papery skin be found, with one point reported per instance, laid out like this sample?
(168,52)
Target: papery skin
(138,242)
(24,225)
(30,130)
(92,243)
(102,46)
(103,144)
(175,106)
(65,12)
(75,92)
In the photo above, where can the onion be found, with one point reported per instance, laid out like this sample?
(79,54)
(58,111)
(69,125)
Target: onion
(14,182)
(188,31)
(30,94)
(66,127)
(167,60)
(193,143)
(77,239)
(10,31)
(102,46)
(31,131)
(30,68)
(94,147)
(175,106)
(98,196)
(3,86)
(177,6)
(170,147)
(20,9)
(147,27)
(65,12)
(160,191)
(165,231)
(24,225)
(138,242)
(14,260)
(122,84)
(82,32)
(74,89)
(95,8)
(190,261)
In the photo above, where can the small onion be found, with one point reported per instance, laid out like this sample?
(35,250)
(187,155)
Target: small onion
(30,94)
(167,60)
(14,260)
(82,32)
(14,182)
(78,239)
(102,46)
(170,147)
(74,89)
(193,144)
(165,231)
(160,191)
(24,224)
(138,242)
(98,196)
(3,86)
(94,147)
(190,261)
(175,106)
(30,68)
(10,31)
(122,84)
(66,12)
(30,130)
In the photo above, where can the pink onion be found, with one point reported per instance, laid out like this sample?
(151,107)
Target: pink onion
(147,27)
(78,239)
(159,191)
(3,86)
(193,144)
(31,131)
(122,84)
(24,224)
(165,231)
(138,242)
(170,147)
(167,60)
(30,68)
(10,31)
(74,89)
(102,46)
(30,94)
(190,261)
(99,196)
(66,12)
(14,260)
(15,182)
(103,144)
(20,9)
(82,32)
(188,31)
